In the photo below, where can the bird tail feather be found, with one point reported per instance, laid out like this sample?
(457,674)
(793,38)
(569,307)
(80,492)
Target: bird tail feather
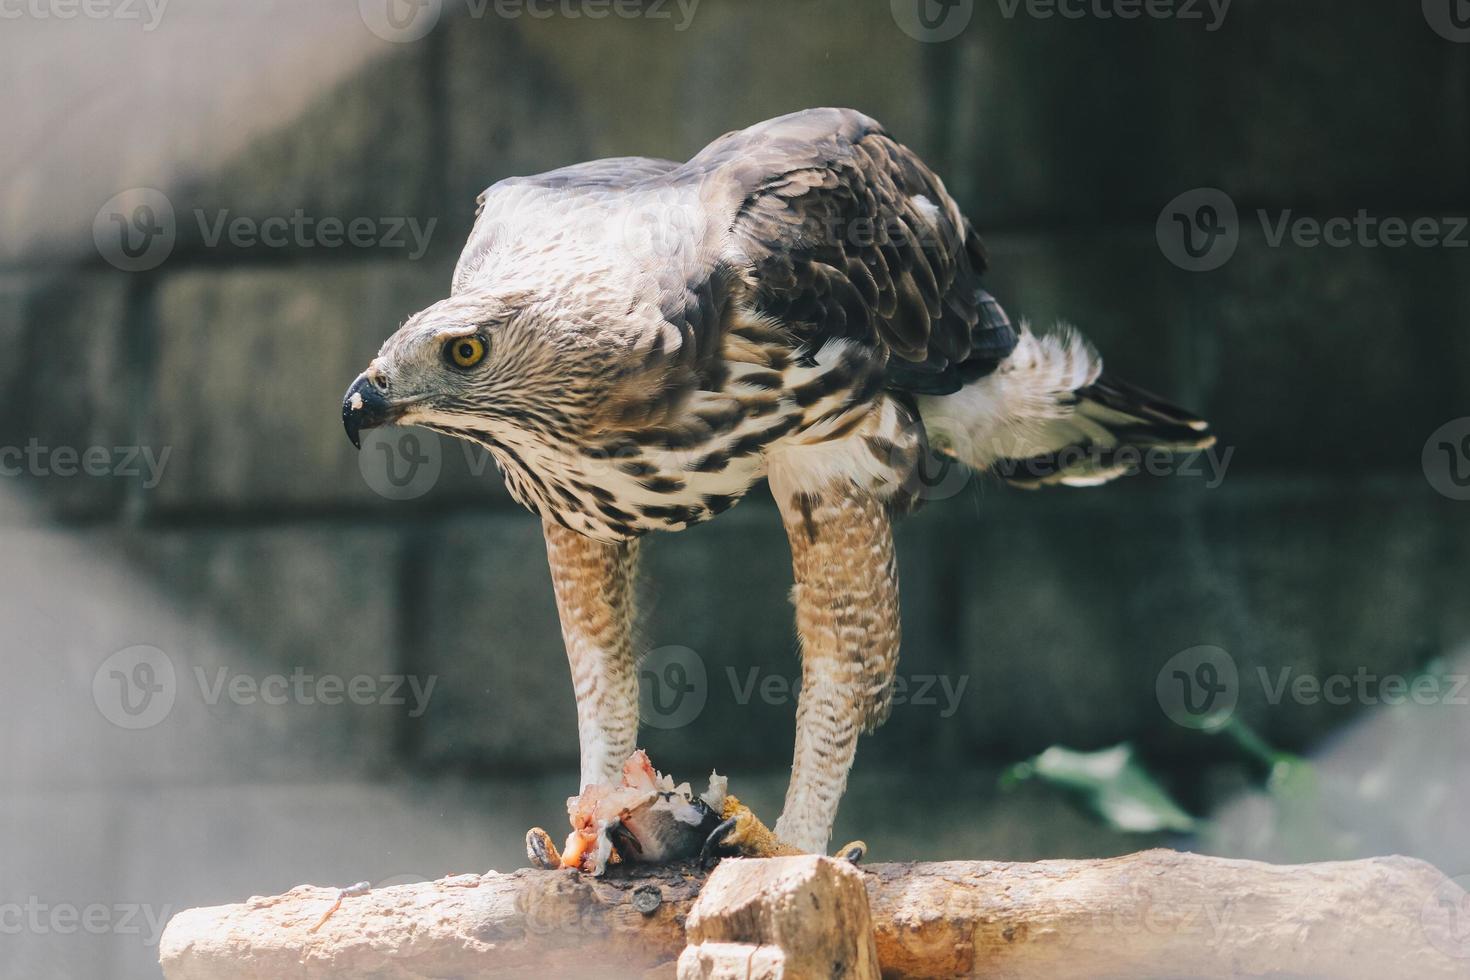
(1050,416)
(1112,424)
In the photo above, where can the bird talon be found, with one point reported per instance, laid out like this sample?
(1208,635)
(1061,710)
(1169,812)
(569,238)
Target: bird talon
(624,843)
(716,838)
(541,850)
(743,833)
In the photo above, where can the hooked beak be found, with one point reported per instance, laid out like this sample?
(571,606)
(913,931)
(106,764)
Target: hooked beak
(364,407)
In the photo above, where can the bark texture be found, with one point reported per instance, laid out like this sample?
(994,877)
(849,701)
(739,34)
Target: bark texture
(1151,914)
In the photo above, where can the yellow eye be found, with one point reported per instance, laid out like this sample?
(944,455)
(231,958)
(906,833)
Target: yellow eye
(465,352)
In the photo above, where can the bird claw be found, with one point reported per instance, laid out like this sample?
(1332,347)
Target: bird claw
(716,839)
(541,850)
(624,843)
(737,832)
(742,833)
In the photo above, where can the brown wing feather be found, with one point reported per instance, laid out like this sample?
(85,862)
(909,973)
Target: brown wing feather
(825,217)
(833,222)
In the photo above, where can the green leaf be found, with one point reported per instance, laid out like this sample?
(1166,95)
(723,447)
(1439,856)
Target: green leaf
(1288,777)
(1111,783)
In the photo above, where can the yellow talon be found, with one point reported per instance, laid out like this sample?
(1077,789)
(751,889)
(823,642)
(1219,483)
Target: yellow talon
(750,837)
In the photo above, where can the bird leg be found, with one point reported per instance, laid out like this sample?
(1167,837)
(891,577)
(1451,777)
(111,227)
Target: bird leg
(594,583)
(846,597)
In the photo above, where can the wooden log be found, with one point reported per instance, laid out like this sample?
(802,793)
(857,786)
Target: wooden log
(1164,913)
(784,918)
(1155,913)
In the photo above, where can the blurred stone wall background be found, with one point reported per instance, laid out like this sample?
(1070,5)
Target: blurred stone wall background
(269,545)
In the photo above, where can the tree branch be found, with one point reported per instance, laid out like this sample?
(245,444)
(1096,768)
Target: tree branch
(1146,914)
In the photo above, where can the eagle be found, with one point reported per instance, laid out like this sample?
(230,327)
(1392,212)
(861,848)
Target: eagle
(639,342)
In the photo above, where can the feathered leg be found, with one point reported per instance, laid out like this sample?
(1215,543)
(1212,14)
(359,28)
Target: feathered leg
(846,597)
(594,584)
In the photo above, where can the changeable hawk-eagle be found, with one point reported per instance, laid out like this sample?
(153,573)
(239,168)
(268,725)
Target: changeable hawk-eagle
(638,342)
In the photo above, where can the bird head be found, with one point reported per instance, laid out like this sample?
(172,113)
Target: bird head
(558,358)
(477,364)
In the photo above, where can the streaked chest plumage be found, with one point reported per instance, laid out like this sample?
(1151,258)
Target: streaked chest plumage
(720,444)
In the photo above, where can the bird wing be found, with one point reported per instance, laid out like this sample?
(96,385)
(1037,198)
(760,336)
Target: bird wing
(818,218)
(503,204)
(848,235)
(627,232)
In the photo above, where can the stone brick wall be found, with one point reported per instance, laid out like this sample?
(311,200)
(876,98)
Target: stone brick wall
(1324,370)
(269,547)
